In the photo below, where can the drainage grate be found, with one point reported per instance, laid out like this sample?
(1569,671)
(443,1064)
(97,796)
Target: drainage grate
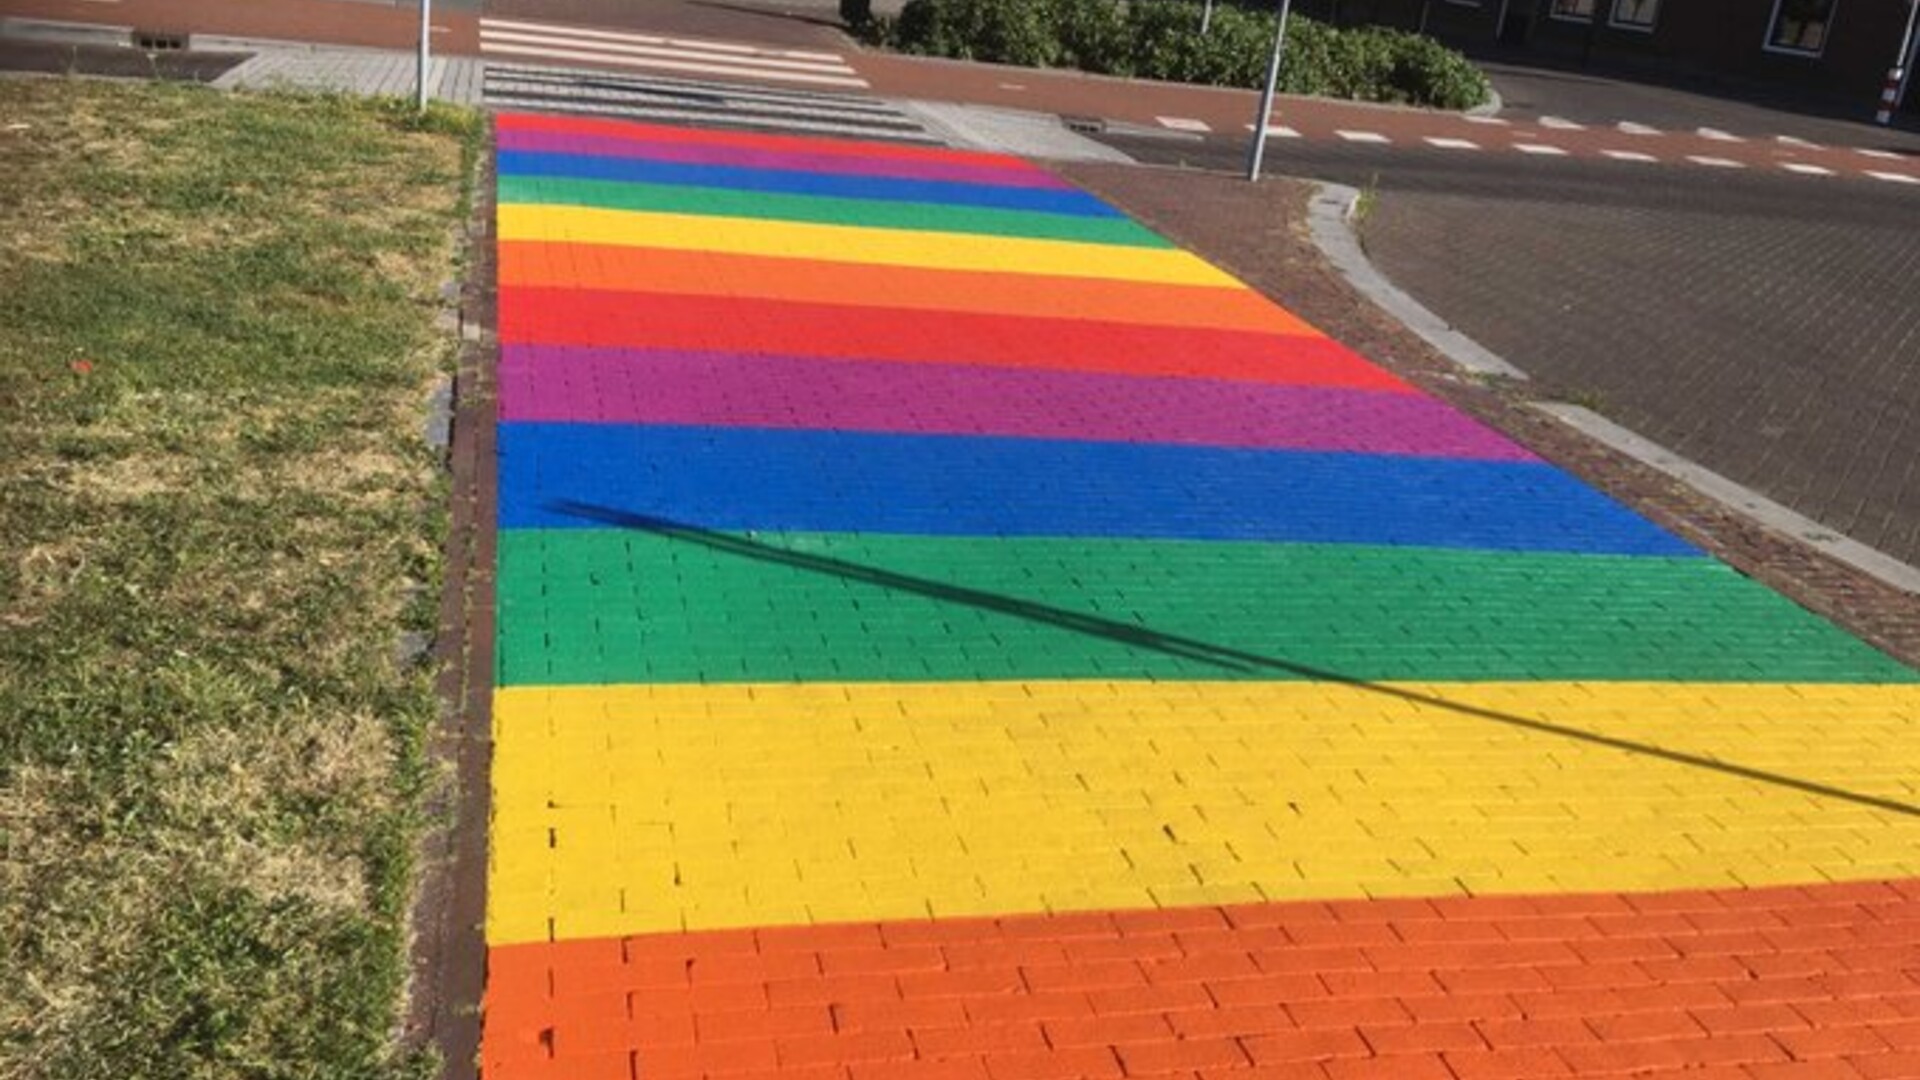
(159,41)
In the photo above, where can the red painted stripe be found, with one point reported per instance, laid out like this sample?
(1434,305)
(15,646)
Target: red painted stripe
(750,325)
(810,144)
(1447,988)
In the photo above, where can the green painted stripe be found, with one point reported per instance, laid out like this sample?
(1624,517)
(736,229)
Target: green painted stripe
(635,605)
(875,213)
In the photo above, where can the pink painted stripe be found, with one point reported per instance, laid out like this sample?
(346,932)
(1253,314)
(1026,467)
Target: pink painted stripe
(753,158)
(612,386)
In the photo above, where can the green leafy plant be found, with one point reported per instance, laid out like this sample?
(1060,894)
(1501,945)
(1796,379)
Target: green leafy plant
(1160,39)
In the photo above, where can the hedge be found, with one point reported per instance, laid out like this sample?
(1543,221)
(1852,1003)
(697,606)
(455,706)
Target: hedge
(1161,39)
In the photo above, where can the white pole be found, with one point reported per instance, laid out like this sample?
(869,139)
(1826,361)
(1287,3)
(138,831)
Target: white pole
(1258,152)
(1206,18)
(426,49)
(1907,52)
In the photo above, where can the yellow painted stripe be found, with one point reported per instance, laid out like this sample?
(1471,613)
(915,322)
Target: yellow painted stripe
(629,809)
(855,244)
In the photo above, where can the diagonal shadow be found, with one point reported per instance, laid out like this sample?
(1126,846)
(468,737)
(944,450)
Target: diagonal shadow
(1224,657)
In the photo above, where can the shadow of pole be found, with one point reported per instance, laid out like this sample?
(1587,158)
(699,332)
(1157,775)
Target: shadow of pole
(1223,657)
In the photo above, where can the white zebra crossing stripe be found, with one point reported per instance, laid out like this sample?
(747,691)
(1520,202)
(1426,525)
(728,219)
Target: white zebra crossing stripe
(1490,121)
(1629,155)
(1884,155)
(1794,140)
(1540,149)
(1181,123)
(1805,169)
(1715,162)
(1363,137)
(1560,124)
(1278,131)
(1716,135)
(1894,177)
(691,56)
(1628,127)
(681,101)
(1452,144)
(705,44)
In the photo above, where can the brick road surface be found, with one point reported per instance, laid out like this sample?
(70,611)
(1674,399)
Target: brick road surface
(947,630)
(1775,340)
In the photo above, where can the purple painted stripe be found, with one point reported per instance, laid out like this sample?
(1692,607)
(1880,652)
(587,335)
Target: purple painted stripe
(750,158)
(611,386)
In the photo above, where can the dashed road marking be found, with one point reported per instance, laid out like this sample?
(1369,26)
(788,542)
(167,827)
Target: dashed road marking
(1629,155)
(1490,121)
(1717,135)
(1884,155)
(1540,148)
(1560,123)
(1894,177)
(1628,127)
(1794,140)
(1363,136)
(1278,131)
(1182,123)
(1452,144)
(1715,162)
(1805,169)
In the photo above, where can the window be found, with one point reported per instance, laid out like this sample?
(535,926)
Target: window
(1635,14)
(1800,26)
(1576,10)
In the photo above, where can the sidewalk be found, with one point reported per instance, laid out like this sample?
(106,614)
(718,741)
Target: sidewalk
(948,630)
(1171,109)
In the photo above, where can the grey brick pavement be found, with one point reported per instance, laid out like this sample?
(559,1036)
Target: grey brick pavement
(356,71)
(1774,339)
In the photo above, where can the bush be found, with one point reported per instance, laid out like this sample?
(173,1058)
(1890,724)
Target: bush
(1161,39)
(857,14)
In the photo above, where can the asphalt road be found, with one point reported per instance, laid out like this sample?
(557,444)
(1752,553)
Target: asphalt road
(1766,326)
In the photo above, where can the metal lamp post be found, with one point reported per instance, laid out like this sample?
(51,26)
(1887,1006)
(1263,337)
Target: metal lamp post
(1258,152)
(426,49)
(1902,73)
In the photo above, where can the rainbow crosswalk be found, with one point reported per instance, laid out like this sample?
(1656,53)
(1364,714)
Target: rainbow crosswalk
(946,630)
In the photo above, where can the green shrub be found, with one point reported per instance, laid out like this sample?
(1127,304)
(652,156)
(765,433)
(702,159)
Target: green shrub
(1161,39)
(857,14)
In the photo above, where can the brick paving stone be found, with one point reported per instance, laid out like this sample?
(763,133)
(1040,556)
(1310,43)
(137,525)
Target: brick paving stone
(850,726)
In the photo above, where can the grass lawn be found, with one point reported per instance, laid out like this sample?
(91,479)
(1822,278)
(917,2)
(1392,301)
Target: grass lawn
(217,516)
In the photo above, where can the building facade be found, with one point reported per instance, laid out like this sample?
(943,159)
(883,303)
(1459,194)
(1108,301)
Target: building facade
(1836,48)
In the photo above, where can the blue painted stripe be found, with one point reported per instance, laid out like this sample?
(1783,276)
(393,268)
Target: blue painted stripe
(832,185)
(828,481)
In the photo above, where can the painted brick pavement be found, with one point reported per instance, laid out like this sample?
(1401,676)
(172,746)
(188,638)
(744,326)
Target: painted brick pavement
(946,631)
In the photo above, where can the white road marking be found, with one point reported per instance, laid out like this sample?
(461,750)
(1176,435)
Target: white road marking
(1490,121)
(655,63)
(559,30)
(1559,123)
(1805,169)
(1363,136)
(1629,155)
(1715,162)
(1452,144)
(497,40)
(1628,127)
(1894,177)
(1181,123)
(1540,148)
(1718,136)
(1791,140)
(1884,155)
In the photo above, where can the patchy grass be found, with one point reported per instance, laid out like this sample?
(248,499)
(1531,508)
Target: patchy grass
(216,518)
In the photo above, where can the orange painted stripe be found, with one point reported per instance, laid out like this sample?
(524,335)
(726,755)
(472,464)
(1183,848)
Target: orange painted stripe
(539,264)
(1455,987)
